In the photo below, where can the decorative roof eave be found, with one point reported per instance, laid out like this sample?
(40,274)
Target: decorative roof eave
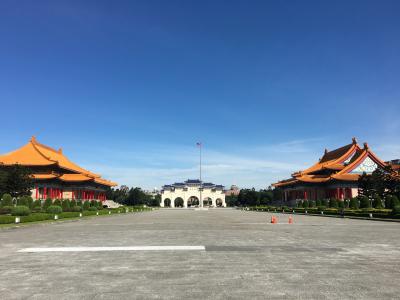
(43,176)
(366,152)
(313,179)
(331,164)
(346,177)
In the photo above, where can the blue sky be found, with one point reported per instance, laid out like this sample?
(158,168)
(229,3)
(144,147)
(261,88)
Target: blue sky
(127,88)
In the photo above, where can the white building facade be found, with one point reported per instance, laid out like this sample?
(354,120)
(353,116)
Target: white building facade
(189,193)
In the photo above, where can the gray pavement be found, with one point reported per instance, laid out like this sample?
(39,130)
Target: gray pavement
(245,257)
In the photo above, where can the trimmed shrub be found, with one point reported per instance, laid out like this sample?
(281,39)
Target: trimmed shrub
(92,208)
(311,203)
(79,203)
(324,202)
(353,203)
(5,210)
(340,203)
(377,202)
(54,209)
(48,202)
(364,202)
(57,202)
(20,210)
(36,206)
(305,204)
(318,203)
(86,205)
(396,210)
(76,208)
(6,200)
(346,203)
(99,205)
(29,201)
(66,205)
(333,203)
(93,203)
(300,204)
(72,203)
(391,201)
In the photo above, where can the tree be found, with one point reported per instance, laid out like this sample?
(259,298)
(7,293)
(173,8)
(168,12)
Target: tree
(48,202)
(7,200)
(231,200)
(333,203)
(377,203)
(364,202)
(265,196)
(66,205)
(366,186)
(136,197)
(353,203)
(16,180)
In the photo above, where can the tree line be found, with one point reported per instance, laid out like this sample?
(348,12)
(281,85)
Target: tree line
(133,196)
(252,197)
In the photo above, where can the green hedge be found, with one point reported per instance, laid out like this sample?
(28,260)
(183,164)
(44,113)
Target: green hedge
(41,216)
(364,212)
(20,210)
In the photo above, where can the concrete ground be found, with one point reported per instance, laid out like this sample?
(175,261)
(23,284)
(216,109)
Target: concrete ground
(245,257)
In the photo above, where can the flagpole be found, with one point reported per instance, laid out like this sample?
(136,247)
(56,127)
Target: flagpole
(201,183)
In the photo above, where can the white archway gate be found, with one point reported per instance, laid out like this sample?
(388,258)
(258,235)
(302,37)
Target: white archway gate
(189,191)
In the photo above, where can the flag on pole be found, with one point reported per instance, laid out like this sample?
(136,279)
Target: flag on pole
(198,144)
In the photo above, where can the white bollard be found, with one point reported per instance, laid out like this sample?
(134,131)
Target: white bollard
(109,212)
(97,213)
(55,217)
(370,215)
(306,212)
(17,220)
(80,215)
(322,212)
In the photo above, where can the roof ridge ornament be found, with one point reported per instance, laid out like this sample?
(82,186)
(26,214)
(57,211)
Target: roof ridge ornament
(366,147)
(33,139)
(354,140)
(60,151)
(326,150)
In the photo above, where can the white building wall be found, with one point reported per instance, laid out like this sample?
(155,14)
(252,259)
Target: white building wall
(193,192)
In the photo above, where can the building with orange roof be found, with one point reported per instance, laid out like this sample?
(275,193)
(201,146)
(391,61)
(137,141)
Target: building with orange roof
(335,175)
(54,175)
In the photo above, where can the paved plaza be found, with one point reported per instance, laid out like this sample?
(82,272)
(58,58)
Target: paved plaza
(233,255)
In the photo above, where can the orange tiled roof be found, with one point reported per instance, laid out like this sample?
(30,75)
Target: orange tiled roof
(75,177)
(44,176)
(34,154)
(340,162)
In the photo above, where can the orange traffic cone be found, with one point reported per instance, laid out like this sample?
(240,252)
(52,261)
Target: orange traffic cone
(274,220)
(290,220)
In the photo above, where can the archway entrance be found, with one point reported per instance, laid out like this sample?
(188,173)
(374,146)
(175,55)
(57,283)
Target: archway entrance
(193,201)
(178,202)
(167,202)
(218,202)
(207,201)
